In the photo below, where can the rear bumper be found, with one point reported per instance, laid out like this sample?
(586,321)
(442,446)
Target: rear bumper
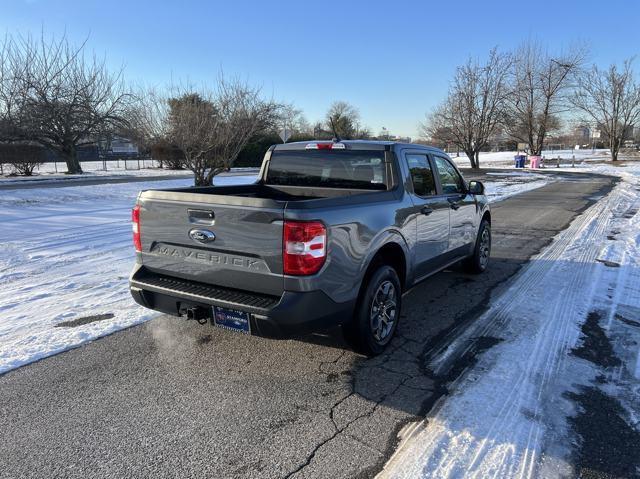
(291,314)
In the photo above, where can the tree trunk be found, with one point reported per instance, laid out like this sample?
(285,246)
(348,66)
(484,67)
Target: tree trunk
(197,166)
(472,158)
(614,145)
(70,156)
(200,178)
(213,172)
(535,148)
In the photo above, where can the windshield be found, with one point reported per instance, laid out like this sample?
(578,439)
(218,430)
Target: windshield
(328,169)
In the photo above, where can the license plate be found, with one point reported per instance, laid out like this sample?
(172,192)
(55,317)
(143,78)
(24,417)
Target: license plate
(231,319)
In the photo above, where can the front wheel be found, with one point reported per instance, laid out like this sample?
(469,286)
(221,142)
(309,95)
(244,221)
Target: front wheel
(478,262)
(377,313)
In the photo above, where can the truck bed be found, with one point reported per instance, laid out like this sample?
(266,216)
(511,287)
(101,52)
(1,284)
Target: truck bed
(271,192)
(259,195)
(247,221)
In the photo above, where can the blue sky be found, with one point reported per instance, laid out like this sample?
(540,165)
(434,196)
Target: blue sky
(392,59)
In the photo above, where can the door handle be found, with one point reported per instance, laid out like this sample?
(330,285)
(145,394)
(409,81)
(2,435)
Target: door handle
(426,210)
(206,217)
(454,204)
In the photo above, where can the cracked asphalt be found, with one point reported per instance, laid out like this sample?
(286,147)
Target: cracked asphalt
(172,398)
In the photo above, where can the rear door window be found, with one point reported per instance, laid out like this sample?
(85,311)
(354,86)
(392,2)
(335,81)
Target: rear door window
(450,179)
(421,175)
(328,169)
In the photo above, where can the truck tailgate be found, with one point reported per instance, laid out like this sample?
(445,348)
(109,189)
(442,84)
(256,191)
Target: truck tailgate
(244,252)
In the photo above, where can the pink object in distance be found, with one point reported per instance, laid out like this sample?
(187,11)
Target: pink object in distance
(534,161)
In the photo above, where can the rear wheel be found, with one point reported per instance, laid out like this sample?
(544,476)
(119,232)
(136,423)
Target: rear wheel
(377,313)
(479,261)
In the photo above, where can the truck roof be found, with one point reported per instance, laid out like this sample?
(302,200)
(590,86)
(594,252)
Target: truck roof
(358,145)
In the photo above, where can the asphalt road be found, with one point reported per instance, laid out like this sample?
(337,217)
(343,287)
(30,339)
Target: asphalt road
(175,399)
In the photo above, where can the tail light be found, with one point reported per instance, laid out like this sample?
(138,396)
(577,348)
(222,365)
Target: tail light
(304,247)
(135,220)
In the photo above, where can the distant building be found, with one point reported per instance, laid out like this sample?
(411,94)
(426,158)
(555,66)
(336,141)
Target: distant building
(631,132)
(396,138)
(501,141)
(581,133)
(123,146)
(400,139)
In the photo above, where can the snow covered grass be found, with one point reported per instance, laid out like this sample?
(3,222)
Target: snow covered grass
(507,416)
(46,174)
(505,158)
(67,253)
(47,171)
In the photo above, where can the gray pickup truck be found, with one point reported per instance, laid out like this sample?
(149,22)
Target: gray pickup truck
(331,233)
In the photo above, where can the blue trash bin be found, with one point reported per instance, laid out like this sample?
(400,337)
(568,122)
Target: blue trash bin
(519,160)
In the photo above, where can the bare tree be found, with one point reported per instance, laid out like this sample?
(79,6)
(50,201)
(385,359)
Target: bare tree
(473,109)
(343,121)
(540,84)
(24,158)
(147,128)
(293,118)
(211,127)
(435,133)
(611,99)
(8,93)
(60,98)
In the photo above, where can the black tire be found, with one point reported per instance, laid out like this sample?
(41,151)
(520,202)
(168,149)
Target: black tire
(478,262)
(370,330)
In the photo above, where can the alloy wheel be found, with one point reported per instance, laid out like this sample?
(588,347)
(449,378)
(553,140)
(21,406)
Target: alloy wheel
(383,311)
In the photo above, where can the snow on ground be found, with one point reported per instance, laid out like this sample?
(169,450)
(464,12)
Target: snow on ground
(67,254)
(506,158)
(91,169)
(503,185)
(47,171)
(511,414)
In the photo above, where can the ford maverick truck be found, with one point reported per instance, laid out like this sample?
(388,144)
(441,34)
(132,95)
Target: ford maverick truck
(330,233)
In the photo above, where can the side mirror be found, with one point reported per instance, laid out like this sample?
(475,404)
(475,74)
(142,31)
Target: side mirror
(476,187)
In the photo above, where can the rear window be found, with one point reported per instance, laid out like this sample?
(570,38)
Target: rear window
(328,169)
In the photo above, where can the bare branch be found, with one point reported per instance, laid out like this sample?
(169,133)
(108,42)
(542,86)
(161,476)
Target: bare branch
(473,109)
(611,100)
(51,93)
(540,86)
(210,127)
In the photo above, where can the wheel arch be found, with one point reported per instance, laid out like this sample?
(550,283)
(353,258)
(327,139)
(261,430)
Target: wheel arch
(391,254)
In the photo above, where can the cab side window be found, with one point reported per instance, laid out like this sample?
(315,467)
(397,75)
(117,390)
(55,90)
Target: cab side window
(450,179)
(421,175)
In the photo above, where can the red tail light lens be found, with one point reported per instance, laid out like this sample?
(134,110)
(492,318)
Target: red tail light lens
(304,247)
(135,220)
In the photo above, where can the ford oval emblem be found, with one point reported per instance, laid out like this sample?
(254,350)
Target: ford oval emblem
(202,236)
